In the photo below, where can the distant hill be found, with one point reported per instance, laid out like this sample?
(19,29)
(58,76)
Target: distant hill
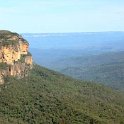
(96,56)
(105,68)
(47,97)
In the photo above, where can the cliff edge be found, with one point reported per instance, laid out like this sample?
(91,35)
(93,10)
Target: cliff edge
(15,60)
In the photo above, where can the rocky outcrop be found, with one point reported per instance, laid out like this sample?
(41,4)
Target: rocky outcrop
(15,60)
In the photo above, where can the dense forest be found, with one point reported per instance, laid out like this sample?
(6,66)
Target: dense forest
(47,97)
(107,68)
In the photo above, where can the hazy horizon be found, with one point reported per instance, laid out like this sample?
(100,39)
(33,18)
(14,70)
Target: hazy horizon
(68,32)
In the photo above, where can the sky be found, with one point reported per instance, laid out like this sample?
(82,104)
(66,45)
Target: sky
(58,16)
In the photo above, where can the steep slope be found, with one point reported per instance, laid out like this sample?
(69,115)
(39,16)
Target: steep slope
(47,97)
(15,60)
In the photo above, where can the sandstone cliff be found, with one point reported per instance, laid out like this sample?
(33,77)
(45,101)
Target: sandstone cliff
(15,60)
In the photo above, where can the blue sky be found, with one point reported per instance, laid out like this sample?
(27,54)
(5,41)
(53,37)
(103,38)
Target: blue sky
(42,16)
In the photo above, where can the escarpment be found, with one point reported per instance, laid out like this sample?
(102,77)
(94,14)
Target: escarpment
(15,60)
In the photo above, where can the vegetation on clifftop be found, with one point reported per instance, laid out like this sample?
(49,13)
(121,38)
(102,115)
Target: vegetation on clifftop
(5,35)
(9,42)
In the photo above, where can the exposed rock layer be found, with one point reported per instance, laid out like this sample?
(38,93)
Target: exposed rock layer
(15,60)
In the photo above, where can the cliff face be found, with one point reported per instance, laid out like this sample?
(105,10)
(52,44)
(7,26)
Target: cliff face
(15,60)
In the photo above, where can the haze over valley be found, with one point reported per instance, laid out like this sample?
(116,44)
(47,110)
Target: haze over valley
(93,56)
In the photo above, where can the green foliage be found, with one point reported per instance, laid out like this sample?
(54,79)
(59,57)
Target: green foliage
(22,58)
(5,41)
(29,54)
(47,97)
(3,65)
(107,69)
(9,42)
(7,34)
